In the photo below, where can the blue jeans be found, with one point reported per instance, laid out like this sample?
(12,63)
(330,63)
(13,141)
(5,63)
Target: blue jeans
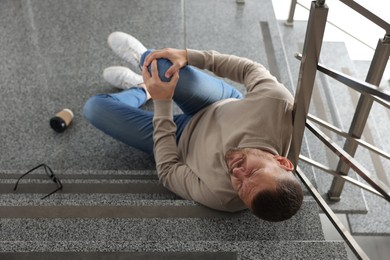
(119,115)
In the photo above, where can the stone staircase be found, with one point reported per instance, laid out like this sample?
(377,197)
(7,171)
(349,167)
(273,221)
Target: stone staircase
(112,206)
(115,215)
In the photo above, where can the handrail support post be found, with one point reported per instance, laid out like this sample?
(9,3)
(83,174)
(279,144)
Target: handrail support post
(374,76)
(310,57)
(290,19)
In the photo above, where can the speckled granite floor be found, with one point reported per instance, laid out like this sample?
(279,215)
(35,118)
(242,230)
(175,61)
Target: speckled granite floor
(53,53)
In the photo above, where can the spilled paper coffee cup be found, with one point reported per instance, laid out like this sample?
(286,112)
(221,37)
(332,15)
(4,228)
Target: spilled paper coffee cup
(61,120)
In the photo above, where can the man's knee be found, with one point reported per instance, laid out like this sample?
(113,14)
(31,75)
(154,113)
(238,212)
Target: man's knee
(162,65)
(93,107)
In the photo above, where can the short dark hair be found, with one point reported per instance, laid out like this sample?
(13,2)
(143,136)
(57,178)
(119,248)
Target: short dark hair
(280,203)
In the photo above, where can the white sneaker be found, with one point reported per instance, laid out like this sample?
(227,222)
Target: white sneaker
(122,77)
(126,47)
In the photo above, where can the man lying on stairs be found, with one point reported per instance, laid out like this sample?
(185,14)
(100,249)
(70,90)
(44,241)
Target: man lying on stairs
(226,151)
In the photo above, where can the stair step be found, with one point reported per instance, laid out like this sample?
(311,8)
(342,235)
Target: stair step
(81,174)
(167,220)
(117,205)
(226,250)
(86,182)
(95,199)
(129,187)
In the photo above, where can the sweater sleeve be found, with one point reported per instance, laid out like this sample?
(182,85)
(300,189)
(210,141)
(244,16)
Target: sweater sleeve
(241,70)
(174,174)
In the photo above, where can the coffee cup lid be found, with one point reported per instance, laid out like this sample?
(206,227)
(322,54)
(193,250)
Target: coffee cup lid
(69,111)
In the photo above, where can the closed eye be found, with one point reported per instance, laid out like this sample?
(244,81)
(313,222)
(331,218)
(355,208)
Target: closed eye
(255,172)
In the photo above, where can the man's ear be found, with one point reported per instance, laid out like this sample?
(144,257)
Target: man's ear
(284,163)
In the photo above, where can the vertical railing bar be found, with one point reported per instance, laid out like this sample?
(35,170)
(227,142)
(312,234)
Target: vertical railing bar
(348,238)
(290,19)
(310,57)
(362,112)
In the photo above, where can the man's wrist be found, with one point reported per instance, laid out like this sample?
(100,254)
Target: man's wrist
(163,108)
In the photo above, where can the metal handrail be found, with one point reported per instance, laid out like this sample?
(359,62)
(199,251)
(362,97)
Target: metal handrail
(350,161)
(342,133)
(358,85)
(308,69)
(351,4)
(369,15)
(290,22)
(335,173)
(371,91)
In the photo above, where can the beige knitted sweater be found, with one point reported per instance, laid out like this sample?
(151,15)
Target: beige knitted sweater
(195,169)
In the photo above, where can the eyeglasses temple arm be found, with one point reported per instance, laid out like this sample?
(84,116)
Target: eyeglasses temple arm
(33,169)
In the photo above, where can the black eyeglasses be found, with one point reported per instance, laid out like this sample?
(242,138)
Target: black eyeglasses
(49,173)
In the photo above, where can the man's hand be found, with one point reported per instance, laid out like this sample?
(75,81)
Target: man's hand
(177,57)
(158,89)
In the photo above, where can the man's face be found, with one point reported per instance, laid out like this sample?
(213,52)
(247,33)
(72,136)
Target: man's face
(252,170)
